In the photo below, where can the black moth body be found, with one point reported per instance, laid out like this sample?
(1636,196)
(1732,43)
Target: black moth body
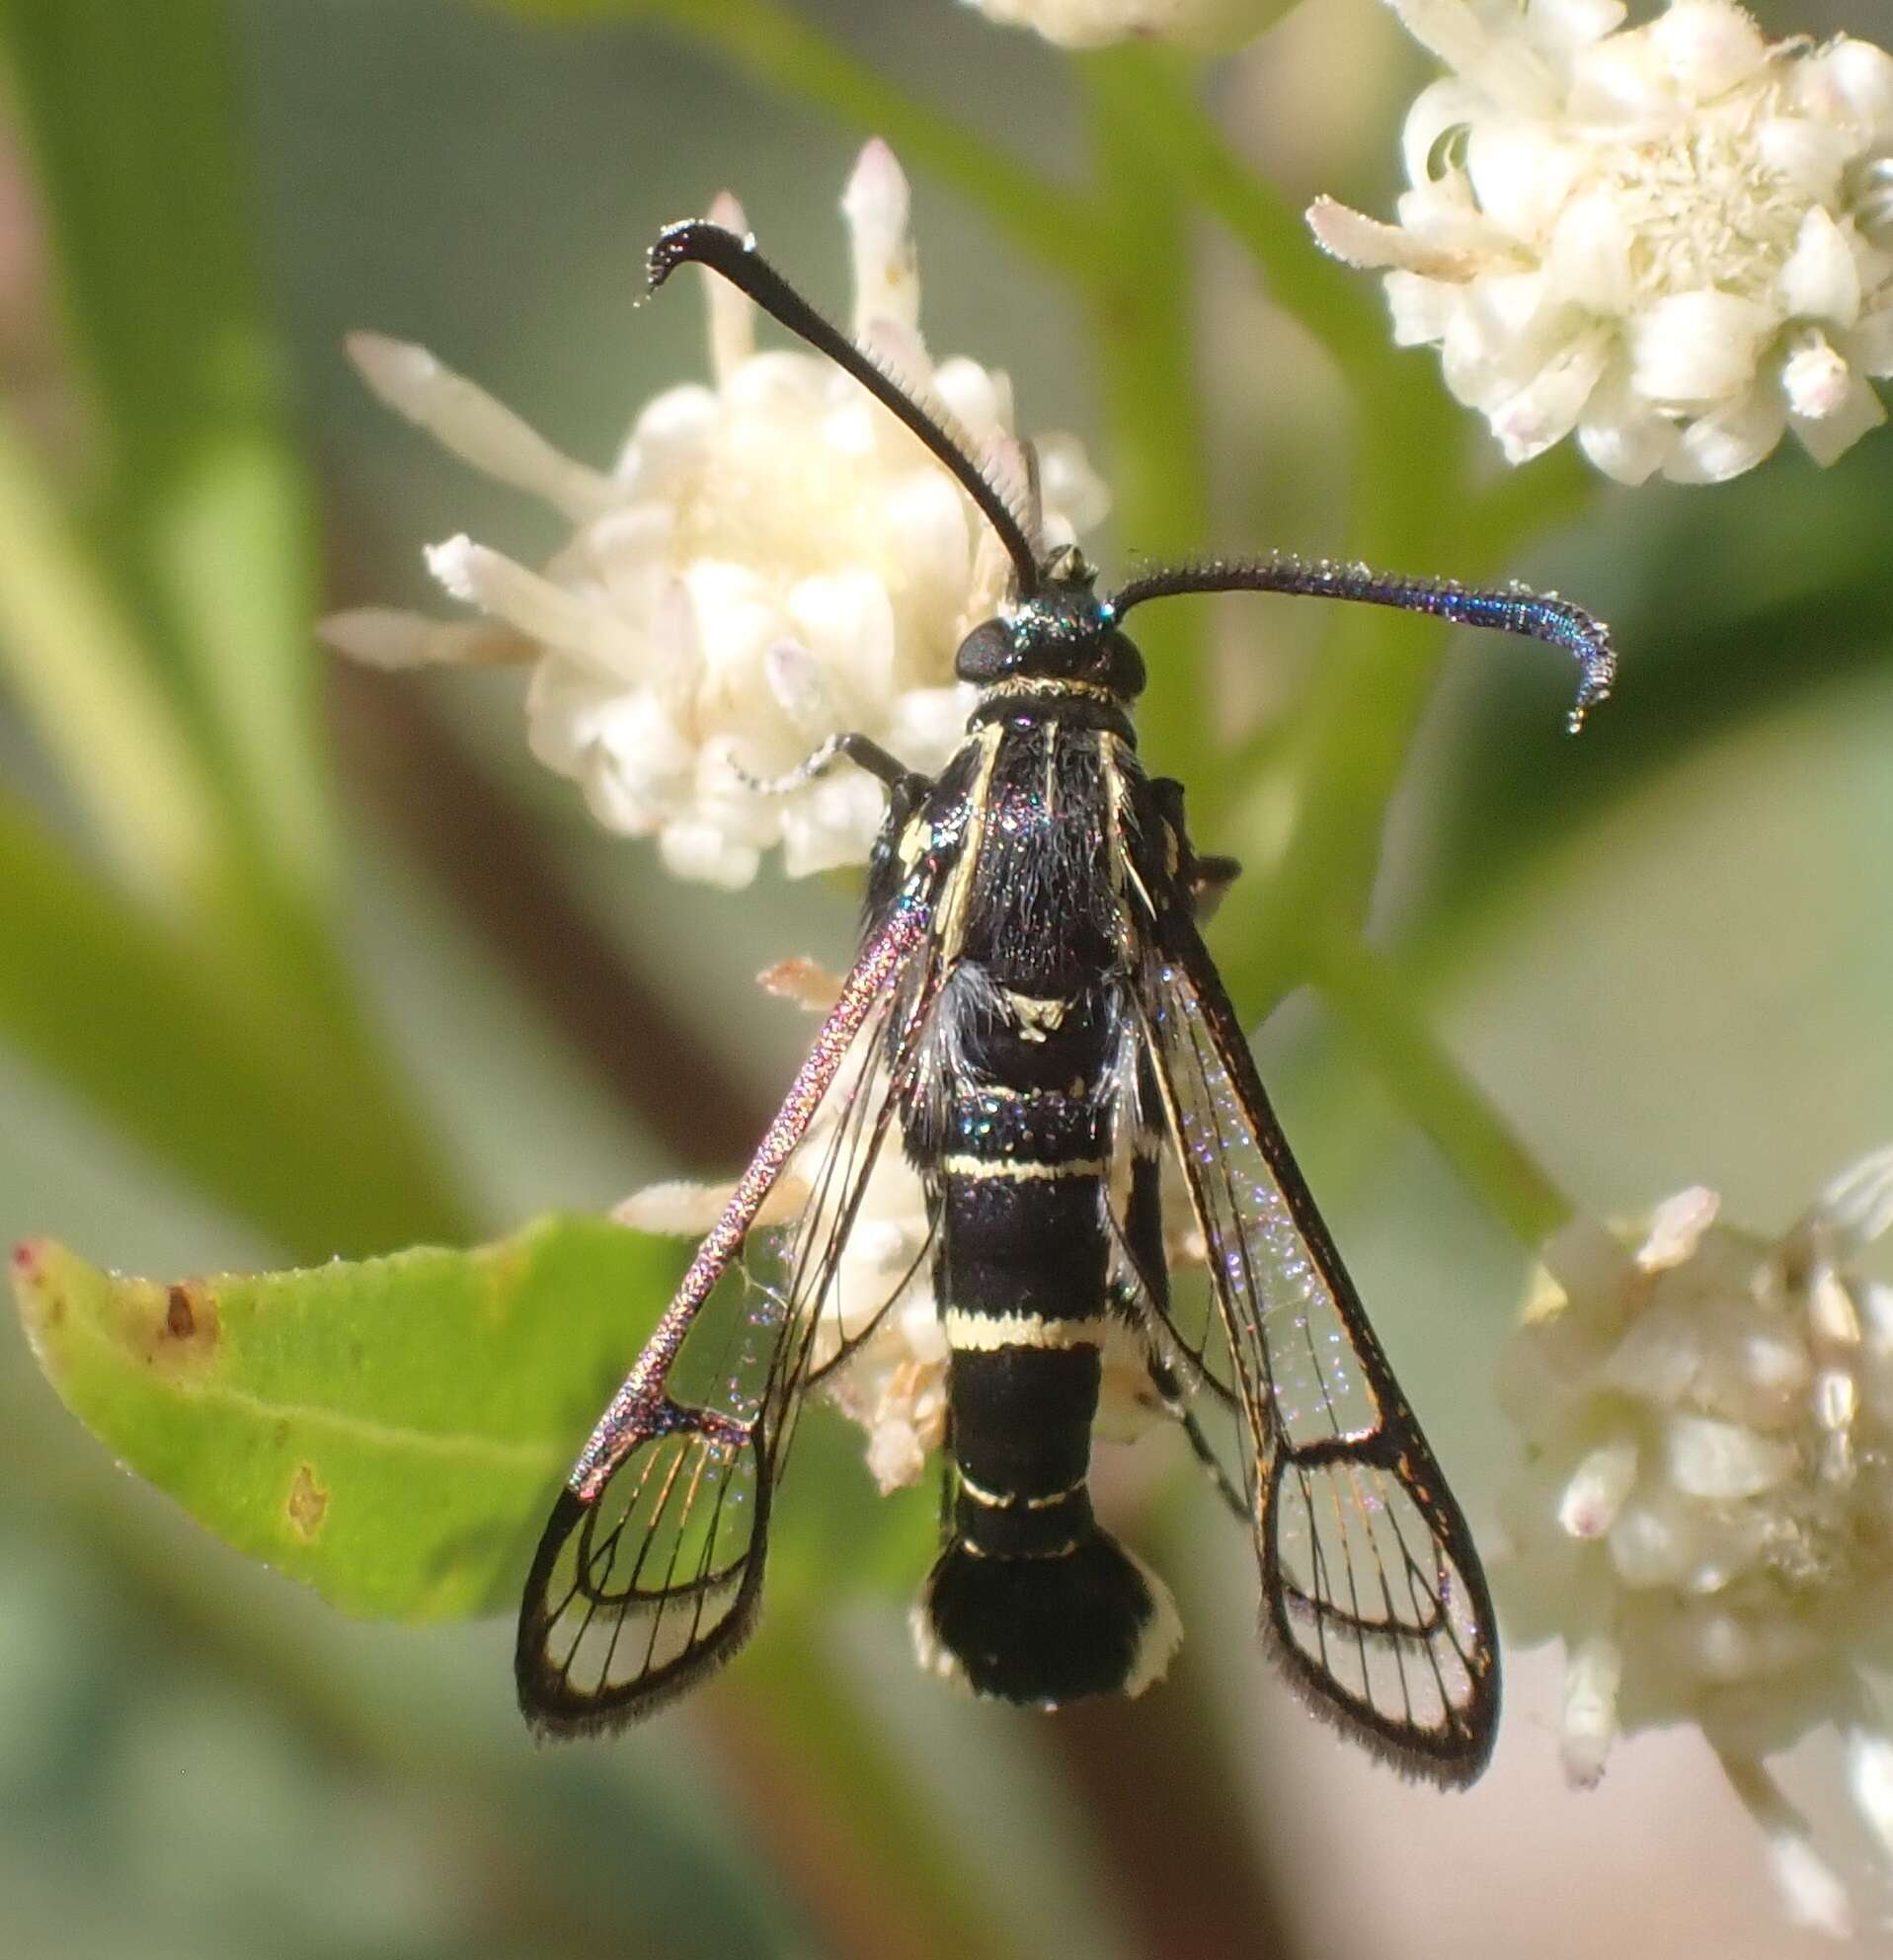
(1033,1018)
(1014,1126)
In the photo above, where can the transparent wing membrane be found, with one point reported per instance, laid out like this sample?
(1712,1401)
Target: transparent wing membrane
(642,1589)
(1370,1585)
(650,1570)
(1370,1596)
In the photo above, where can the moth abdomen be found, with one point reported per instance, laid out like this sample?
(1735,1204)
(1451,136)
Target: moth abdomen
(1030,1599)
(1089,1619)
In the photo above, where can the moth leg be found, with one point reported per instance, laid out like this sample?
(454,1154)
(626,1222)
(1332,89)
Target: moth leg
(860,749)
(1207,1456)
(1143,1243)
(1204,880)
(1164,1379)
(1210,878)
(949,1489)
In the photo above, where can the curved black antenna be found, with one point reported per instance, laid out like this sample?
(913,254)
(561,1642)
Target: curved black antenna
(698,241)
(1516,610)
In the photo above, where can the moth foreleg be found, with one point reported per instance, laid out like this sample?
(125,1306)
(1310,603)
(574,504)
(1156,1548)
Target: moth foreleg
(860,749)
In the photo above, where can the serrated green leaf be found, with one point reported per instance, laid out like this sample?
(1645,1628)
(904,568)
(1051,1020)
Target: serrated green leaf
(391,1431)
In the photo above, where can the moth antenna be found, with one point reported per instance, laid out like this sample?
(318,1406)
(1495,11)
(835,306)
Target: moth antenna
(994,457)
(698,241)
(1515,608)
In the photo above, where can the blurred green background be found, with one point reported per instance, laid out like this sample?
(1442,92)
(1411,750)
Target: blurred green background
(298,960)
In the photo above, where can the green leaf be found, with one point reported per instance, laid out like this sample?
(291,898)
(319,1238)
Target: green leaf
(390,1433)
(203,506)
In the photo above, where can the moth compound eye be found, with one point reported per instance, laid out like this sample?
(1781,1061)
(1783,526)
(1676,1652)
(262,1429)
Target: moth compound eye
(1124,670)
(985,654)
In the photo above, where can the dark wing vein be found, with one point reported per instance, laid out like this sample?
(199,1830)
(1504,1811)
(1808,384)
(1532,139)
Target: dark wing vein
(1371,1587)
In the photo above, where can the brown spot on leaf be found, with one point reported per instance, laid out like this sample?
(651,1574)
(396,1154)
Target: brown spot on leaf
(308,1502)
(185,1329)
(178,1320)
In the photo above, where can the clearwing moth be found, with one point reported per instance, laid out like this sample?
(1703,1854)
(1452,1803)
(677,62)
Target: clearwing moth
(1034,1019)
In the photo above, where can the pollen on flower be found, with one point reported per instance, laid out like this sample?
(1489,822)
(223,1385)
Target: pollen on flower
(1706,1516)
(1673,239)
(771,560)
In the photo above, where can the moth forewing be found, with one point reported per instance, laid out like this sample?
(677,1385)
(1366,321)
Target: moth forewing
(650,1568)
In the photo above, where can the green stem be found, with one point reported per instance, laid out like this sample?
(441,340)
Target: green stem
(1365,698)
(212,1011)
(197,505)
(1364,704)
(84,677)
(1142,309)
(780,49)
(1374,1007)
(1362,708)
(1354,731)
(1400,413)
(1180,138)
(160,647)
(841,1798)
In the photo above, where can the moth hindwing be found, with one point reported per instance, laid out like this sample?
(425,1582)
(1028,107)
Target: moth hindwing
(1032,1033)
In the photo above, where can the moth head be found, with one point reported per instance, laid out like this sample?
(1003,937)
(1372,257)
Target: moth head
(1063,632)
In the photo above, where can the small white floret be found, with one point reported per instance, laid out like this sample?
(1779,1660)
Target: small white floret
(1597,1490)
(1706,1512)
(386,637)
(476,427)
(1202,23)
(1811,1890)
(1588,1725)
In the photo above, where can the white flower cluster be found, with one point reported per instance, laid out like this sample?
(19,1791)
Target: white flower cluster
(1676,239)
(1098,23)
(1706,1520)
(773,559)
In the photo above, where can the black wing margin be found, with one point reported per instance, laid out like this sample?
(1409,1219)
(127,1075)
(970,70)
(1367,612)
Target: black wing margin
(1372,1588)
(650,1571)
